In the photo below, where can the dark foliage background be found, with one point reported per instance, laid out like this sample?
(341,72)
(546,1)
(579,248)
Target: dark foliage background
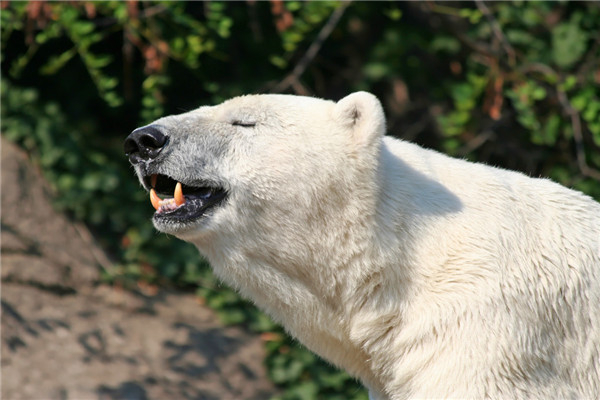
(511,84)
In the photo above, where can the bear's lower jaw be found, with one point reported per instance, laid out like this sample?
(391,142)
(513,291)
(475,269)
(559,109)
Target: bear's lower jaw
(182,206)
(189,213)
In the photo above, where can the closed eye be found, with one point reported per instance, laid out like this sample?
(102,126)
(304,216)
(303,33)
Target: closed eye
(245,124)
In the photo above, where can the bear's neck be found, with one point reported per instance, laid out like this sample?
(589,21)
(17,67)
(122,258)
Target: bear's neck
(318,308)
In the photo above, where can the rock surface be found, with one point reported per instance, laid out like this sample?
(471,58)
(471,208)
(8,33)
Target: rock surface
(64,336)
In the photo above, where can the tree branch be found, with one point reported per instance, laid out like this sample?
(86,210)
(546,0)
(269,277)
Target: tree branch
(510,52)
(293,79)
(577,136)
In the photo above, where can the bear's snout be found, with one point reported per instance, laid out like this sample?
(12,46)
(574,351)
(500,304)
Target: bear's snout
(144,143)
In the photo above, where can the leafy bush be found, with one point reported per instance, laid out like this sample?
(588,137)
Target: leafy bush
(512,84)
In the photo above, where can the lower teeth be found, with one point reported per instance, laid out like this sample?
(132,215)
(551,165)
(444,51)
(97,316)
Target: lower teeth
(167,205)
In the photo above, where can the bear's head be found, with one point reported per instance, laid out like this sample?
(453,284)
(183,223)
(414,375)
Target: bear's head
(259,167)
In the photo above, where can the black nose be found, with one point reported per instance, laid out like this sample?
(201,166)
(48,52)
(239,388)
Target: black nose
(144,144)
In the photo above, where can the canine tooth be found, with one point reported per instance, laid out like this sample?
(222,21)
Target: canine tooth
(154,199)
(179,199)
(153,180)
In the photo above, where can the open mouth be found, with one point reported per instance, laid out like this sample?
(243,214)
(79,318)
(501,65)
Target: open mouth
(182,203)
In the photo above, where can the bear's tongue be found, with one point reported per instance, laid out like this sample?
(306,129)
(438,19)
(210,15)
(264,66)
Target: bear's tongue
(167,204)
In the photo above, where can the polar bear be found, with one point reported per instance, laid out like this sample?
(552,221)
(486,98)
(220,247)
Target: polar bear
(422,275)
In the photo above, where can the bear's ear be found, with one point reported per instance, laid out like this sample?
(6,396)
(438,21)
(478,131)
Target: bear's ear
(361,114)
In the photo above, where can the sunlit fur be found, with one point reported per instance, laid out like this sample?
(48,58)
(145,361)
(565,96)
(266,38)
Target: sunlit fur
(423,275)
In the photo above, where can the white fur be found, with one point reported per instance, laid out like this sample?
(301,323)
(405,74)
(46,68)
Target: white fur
(423,275)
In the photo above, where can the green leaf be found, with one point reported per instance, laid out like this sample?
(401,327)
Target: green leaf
(594,127)
(531,17)
(262,323)
(120,12)
(81,28)
(107,83)
(582,98)
(67,15)
(394,14)
(376,70)
(569,42)
(99,61)
(591,111)
(465,95)
(113,99)
(306,391)
(293,5)
(224,27)
(57,62)
(550,132)
(232,316)
(569,83)
(472,14)
(51,32)
(278,61)
(528,119)
(538,93)
(448,44)
(335,380)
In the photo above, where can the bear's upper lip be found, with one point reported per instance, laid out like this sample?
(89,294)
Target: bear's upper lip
(181,202)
